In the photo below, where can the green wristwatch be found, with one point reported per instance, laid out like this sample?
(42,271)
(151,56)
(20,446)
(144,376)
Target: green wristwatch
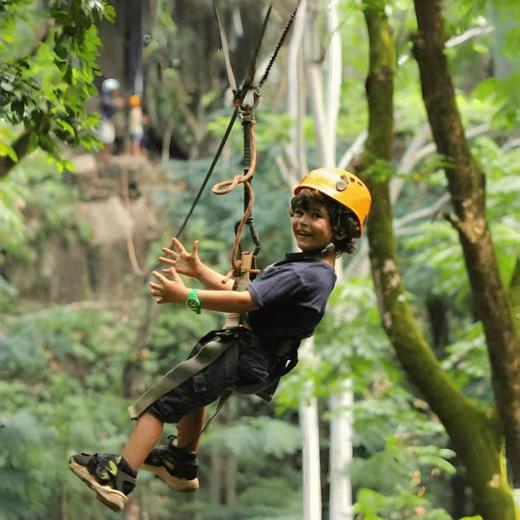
(192,301)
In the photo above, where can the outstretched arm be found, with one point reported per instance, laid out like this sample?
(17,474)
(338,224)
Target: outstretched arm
(166,290)
(191,265)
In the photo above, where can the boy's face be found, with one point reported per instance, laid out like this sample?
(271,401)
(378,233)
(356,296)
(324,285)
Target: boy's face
(311,227)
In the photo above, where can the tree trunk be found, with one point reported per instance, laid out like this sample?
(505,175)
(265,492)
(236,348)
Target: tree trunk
(217,463)
(231,469)
(167,141)
(340,453)
(133,46)
(313,67)
(334,82)
(311,444)
(474,435)
(296,95)
(466,184)
(514,295)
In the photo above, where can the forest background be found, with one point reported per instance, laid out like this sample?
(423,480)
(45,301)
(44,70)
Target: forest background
(408,395)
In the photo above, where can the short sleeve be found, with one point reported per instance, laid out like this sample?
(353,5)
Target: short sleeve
(276,284)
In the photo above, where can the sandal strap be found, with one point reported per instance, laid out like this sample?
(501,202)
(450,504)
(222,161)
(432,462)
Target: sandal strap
(106,469)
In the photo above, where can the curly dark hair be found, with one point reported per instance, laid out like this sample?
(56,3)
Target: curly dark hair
(344,222)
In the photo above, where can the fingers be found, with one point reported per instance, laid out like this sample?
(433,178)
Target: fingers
(178,244)
(169,251)
(169,261)
(195,251)
(171,258)
(156,291)
(160,277)
(176,277)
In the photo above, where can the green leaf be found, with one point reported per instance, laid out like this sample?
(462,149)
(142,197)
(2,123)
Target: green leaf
(8,150)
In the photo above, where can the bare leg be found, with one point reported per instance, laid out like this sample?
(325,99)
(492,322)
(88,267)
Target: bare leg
(189,428)
(145,436)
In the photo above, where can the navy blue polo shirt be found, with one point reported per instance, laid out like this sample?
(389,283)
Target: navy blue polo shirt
(291,296)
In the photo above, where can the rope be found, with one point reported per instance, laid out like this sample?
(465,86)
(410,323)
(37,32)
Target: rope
(235,261)
(210,171)
(225,187)
(238,102)
(279,45)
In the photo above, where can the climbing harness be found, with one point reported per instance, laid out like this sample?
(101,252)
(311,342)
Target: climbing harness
(224,342)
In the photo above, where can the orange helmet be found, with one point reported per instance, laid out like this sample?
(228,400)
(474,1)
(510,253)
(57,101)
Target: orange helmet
(342,186)
(134,101)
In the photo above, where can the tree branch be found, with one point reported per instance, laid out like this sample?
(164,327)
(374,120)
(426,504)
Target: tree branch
(295,93)
(423,212)
(468,35)
(355,148)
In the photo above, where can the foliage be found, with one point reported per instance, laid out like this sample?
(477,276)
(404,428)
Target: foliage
(61,369)
(44,89)
(23,471)
(35,204)
(56,356)
(250,434)
(376,506)
(12,225)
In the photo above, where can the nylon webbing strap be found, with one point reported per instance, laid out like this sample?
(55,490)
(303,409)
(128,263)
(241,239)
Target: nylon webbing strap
(231,364)
(179,374)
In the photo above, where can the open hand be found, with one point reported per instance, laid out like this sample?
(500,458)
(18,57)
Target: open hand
(183,261)
(166,290)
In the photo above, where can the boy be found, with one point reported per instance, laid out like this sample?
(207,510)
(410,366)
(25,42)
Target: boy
(283,306)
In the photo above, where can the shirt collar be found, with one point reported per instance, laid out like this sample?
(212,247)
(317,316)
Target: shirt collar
(314,254)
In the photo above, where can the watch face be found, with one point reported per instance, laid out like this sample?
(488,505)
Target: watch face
(193,302)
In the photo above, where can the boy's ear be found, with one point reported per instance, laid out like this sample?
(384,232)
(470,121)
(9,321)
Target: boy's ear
(340,236)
